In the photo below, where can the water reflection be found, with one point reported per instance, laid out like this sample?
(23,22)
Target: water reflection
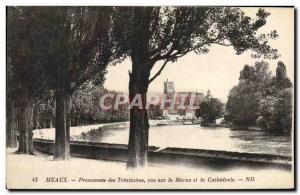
(194,136)
(184,136)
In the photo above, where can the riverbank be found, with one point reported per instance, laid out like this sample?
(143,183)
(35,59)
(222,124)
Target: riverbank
(21,169)
(189,157)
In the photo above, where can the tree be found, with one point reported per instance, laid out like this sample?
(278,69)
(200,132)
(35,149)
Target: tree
(58,49)
(152,34)
(243,100)
(262,100)
(275,109)
(80,47)
(281,120)
(281,81)
(210,109)
(266,109)
(85,107)
(11,129)
(24,79)
(43,114)
(283,108)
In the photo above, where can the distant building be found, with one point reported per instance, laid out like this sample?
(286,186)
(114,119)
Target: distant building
(169,87)
(174,111)
(208,94)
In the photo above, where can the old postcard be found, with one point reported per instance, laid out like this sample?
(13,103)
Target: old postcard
(150,97)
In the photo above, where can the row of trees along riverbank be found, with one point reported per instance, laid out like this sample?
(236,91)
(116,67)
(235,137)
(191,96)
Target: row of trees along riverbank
(261,99)
(85,109)
(54,51)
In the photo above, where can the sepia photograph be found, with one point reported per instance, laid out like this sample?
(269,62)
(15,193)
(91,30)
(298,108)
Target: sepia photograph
(150,97)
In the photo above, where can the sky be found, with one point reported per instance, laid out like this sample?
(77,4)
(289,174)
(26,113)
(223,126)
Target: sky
(218,70)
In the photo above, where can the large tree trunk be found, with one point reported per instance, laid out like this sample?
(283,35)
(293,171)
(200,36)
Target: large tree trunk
(62,118)
(62,128)
(11,131)
(138,85)
(25,113)
(139,125)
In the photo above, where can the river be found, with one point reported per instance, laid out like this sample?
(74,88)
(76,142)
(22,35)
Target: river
(189,136)
(195,136)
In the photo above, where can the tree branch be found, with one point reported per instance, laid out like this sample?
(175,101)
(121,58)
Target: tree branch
(165,56)
(159,71)
(170,57)
(223,44)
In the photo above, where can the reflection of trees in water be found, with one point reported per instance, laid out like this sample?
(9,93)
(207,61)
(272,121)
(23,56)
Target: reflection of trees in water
(97,135)
(94,135)
(262,142)
(239,141)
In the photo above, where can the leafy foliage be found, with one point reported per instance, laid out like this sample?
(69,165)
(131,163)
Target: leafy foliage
(243,99)
(24,71)
(86,108)
(79,39)
(261,100)
(210,109)
(172,32)
(43,39)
